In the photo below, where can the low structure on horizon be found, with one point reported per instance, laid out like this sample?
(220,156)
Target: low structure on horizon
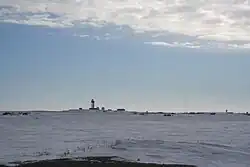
(92,106)
(228,112)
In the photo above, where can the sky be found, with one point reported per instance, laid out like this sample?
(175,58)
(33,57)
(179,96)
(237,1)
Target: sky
(162,55)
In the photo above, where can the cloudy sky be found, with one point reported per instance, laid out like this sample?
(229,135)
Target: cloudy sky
(138,54)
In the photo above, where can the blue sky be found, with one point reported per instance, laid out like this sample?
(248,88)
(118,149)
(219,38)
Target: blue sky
(55,59)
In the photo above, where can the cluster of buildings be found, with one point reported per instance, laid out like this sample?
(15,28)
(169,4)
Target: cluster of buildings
(93,107)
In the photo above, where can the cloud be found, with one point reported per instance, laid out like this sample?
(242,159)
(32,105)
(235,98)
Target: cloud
(216,20)
(200,45)
(97,35)
(175,44)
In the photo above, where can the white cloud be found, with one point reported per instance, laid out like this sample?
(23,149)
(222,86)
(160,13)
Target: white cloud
(176,44)
(200,45)
(96,36)
(81,35)
(216,20)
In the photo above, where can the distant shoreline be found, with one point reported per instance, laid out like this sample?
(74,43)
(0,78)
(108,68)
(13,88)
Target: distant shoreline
(137,112)
(168,114)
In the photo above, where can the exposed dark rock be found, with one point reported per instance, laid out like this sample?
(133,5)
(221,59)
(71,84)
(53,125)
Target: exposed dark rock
(16,113)
(7,113)
(248,114)
(159,113)
(192,113)
(200,113)
(121,109)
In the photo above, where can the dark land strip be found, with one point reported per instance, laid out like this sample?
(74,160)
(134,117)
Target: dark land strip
(90,162)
